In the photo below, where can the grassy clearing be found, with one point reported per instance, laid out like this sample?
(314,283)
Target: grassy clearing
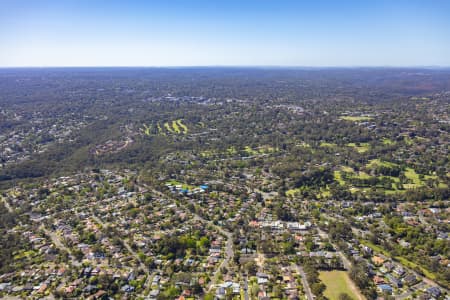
(442,185)
(394,179)
(147,129)
(420,98)
(337,282)
(206,153)
(329,145)
(388,142)
(412,265)
(377,162)
(231,150)
(361,147)
(324,192)
(25,254)
(304,145)
(414,177)
(168,128)
(338,177)
(160,130)
(417,181)
(408,141)
(266,149)
(356,118)
(171,127)
(175,127)
(292,192)
(362,175)
(250,151)
(347,169)
(183,127)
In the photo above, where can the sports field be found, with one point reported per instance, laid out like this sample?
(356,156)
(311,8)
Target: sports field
(338,282)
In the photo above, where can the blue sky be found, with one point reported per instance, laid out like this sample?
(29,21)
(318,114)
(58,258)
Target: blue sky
(224,33)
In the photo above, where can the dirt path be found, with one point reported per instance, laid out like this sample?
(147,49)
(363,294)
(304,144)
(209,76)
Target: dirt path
(354,288)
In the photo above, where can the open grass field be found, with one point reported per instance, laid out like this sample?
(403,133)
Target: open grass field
(420,98)
(361,147)
(172,127)
(175,127)
(266,149)
(347,169)
(388,142)
(338,177)
(338,282)
(325,144)
(147,129)
(183,127)
(167,127)
(356,118)
(376,162)
(231,150)
(250,151)
(179,127)
(415,180)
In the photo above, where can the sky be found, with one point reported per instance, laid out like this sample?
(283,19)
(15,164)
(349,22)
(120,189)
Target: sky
(319,33)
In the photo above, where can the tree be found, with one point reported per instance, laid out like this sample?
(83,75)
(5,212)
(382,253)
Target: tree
(318,288)
(344,296)
(251,268)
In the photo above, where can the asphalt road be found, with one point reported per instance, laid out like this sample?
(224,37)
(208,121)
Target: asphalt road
(307,288)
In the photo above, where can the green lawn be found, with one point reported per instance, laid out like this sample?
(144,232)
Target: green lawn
(355,118)
(381,163)
(420,98)
(388,142)
(325,144)
(160,131)
(338,177)
(337,282)
(182,126)
(293,192)
(347,169)
(266,149)
(168,128)
(231,150)
(175,127)
(250,151)
(361,147)
(147,129)
(362,175)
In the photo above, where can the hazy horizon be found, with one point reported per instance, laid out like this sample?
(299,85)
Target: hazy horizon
(288,34)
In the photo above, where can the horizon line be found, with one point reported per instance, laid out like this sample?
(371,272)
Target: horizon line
(235,66)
